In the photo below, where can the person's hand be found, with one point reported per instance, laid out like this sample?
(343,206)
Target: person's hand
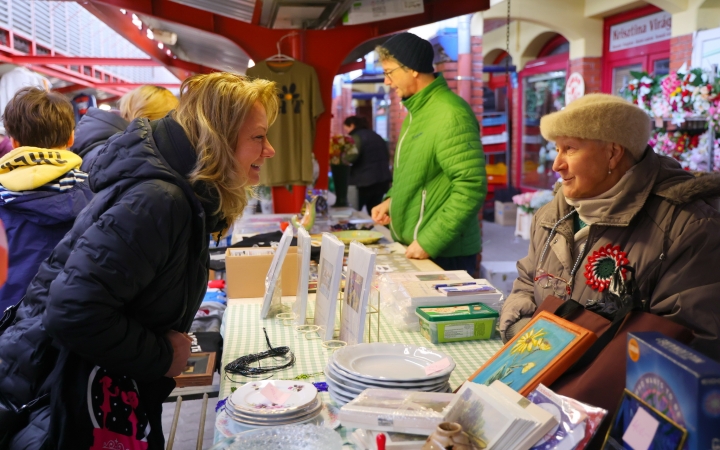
(414,251)
(381,213)
(181,344)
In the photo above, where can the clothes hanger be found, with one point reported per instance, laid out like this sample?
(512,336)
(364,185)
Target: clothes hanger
(281,60)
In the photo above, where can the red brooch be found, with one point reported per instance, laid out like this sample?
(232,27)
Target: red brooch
(602,264)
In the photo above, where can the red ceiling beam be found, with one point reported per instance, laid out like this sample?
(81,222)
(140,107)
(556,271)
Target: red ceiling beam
(102,85)
(83,61)
(109,99)
(257,12)
(70,88)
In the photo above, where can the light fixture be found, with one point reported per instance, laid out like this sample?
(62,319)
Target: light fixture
(150,34)
(251,63)
(123,11)
(104,107)
(168,52)
(160,45)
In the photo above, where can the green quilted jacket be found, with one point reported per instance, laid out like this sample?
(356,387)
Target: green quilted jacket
(439,180)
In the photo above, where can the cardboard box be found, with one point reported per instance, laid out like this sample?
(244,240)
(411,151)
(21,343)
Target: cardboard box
(679,382)
(245,275)
(505,213)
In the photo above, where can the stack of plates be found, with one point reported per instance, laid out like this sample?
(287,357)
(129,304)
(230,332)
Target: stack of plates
(251,408)
(354,368)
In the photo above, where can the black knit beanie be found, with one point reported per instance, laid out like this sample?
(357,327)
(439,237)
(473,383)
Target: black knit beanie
(411,51)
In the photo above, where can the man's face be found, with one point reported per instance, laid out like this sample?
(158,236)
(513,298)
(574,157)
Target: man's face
(400,78)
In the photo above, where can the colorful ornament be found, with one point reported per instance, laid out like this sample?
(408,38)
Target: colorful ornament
(308,216)
(602,265)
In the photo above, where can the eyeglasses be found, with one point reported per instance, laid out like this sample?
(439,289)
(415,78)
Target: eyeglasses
(387,73)
(560,286)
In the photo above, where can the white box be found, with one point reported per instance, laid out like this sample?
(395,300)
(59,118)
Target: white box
(501,274)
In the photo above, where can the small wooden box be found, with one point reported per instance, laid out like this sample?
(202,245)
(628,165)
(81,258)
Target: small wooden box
(199,370)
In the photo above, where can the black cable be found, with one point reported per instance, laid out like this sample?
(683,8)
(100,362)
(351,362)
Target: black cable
(241,366)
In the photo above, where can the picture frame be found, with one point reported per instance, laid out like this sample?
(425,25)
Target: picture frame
(542,351)
(198,371)
(360,271)
(329,275)
(637,423)
(271,279)
(301,296)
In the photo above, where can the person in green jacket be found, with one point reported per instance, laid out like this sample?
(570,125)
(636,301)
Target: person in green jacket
(439,182)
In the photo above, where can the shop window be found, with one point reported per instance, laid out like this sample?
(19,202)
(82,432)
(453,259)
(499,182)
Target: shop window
(621,76)
(661,66)
(542,94)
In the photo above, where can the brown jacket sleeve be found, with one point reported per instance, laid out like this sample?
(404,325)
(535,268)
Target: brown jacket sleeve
(688,286)
(521,301)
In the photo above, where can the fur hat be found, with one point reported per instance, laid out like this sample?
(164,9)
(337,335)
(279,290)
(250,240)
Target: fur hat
(603,117)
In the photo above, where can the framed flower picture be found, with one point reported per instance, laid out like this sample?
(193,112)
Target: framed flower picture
(540,353)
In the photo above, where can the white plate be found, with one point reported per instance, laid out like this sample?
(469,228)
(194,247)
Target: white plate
(249,399)
(266,418)
(338,400)
(229,427)
(339,395)
(275,421)
(383,361)
(341,389)
(358,382)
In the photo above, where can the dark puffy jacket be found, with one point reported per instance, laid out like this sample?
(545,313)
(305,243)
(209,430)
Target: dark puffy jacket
(35,223)
(373,163)
(133,267)
(93,130)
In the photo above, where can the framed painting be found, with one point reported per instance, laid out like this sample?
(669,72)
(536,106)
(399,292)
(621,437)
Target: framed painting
(540,353)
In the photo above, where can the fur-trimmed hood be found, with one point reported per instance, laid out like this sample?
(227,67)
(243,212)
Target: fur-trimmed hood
(654,175)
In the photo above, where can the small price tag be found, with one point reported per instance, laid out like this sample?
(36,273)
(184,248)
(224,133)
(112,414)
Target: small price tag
(274,394)
(437,366)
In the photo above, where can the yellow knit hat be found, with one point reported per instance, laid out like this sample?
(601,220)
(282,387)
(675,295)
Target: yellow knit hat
(603,117)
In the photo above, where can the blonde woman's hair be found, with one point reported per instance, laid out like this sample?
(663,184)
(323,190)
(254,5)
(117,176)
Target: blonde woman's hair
(153,102)
(212,108)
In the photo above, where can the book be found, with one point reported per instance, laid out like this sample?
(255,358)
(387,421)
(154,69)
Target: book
(539,353)
(425,293)
(496,417)
(464,289)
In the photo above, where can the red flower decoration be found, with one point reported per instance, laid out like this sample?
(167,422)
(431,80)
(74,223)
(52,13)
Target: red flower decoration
(602,264)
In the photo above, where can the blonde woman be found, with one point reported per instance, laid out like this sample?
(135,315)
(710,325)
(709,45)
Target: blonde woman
(96,127)
(101,331)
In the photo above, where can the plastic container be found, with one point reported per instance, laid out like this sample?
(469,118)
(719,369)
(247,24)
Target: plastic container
(469,322)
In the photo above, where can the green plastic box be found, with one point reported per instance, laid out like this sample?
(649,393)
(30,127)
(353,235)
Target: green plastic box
(454,323)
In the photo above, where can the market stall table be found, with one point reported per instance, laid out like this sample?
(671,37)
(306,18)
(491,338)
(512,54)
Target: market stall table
(242,331)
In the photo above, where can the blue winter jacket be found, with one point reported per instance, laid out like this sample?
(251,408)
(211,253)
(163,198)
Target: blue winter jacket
(35,223)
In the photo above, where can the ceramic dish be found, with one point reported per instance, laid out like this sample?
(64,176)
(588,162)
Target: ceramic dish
(383,361)
(338,401)
(364,383)
(292,437)
(312,407)
(267,422)
(361,236)
(227,426)
(249,399)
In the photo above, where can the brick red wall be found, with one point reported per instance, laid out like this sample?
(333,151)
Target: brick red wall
(515,158)
(397,115)
(591,71)
(477,74)
(680,51)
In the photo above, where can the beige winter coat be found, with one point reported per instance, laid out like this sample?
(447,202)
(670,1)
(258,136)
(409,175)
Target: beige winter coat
(683,285)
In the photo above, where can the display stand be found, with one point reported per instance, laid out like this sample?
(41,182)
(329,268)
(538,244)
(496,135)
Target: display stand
(359,280)
(301,297)
(272,302)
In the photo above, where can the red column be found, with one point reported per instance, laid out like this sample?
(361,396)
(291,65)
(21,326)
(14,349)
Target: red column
(477,77)
(680,51)
(591,71)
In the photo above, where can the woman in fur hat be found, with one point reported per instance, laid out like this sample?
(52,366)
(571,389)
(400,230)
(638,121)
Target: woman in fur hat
(619,203)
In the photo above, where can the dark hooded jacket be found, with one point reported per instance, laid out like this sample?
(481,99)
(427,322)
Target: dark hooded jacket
(660,201)
(133,267)
(35,223)
(93,130)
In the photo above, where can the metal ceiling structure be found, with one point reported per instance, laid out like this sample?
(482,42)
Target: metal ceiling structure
(224,34)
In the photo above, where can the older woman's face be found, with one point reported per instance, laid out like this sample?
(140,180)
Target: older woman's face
(583,165)
(253,147)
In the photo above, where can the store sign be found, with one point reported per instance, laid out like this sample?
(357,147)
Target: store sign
(645,30)
(574,88)
(363,11)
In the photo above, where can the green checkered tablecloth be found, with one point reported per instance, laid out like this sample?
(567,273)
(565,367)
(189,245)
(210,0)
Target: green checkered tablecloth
(243,334)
